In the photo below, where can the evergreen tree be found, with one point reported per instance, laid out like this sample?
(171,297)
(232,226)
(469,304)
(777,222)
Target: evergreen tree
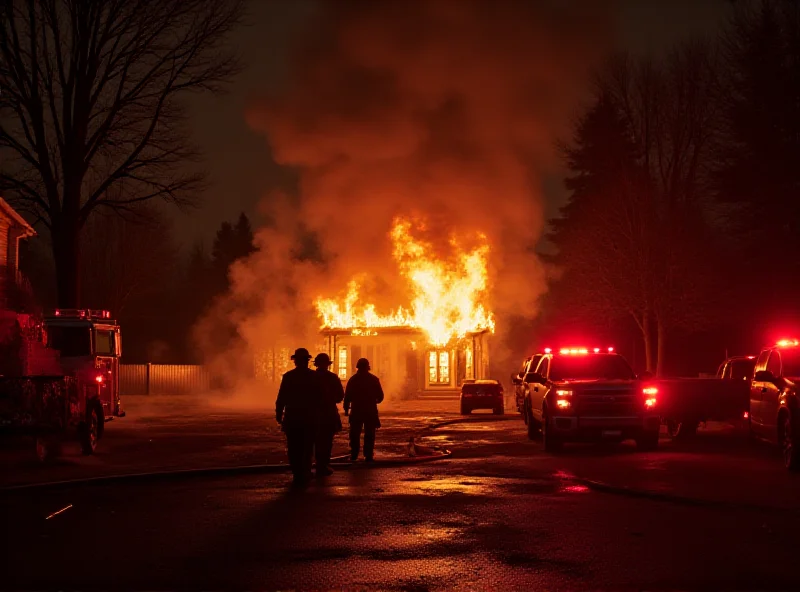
(758,173)
(232,242)
(604,234)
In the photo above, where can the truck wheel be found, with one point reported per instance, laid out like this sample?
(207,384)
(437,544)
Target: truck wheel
(499,411)
(90,430)
(551,442)
(524,412)
(789,442)
(465,410)
(647,441)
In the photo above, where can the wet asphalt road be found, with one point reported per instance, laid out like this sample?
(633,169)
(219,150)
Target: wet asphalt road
(717,514)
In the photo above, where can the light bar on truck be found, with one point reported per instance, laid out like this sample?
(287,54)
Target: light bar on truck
(77,313)
(788,343)
(575,351)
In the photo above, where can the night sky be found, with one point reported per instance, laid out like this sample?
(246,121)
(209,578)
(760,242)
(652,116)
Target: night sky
(238,159)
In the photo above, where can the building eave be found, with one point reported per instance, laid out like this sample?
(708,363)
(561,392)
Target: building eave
(377,331)
(26,230)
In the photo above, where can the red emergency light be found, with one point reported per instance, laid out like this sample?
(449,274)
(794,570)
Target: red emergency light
(788,343)
(82,314)
(575,351)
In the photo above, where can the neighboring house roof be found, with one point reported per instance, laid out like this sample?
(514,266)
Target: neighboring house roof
(19,221)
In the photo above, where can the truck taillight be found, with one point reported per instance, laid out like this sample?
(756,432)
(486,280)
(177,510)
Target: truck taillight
(650,393)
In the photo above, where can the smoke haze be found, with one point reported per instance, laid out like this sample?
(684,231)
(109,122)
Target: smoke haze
(446,111)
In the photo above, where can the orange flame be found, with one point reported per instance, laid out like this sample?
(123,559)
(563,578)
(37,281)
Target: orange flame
(446,301)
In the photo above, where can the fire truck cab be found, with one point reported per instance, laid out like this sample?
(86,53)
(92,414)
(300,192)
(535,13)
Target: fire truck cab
(89,346)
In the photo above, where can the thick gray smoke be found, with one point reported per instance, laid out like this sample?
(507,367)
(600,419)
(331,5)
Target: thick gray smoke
(445,110)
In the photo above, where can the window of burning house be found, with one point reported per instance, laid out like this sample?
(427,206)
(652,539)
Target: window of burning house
(342,362)
(468,362)
(439,367)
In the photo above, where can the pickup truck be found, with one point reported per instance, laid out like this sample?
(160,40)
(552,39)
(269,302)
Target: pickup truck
(774,404)
(529,364)
(578,395)
(684,403)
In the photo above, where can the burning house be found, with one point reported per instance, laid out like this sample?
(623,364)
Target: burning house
(431,347)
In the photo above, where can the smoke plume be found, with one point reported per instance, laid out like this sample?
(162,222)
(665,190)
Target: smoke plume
(444,111)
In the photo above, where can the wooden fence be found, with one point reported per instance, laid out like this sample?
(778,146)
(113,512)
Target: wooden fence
(162,379)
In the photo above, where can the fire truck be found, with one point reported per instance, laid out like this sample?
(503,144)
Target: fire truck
(60,375)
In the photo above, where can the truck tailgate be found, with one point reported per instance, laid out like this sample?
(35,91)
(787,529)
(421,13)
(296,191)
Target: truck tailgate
(703,398)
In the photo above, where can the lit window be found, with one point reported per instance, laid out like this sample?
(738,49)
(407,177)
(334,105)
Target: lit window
(343,362)
(439,367)
(444,367)
(468,364)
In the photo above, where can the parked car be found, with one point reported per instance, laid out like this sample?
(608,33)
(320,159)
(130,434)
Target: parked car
(482,394)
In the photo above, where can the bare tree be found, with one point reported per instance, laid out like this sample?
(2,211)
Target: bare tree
(90,111)
(672,108)
(128,263)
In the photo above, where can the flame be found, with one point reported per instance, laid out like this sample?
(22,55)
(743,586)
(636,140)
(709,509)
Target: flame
(447,297)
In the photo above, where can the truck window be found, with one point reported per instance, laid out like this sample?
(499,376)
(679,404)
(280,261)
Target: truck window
(741,370)
(103,342)
(723,371)
(605,367)
(71,342)
(534,363)
(543,368)
(774,362)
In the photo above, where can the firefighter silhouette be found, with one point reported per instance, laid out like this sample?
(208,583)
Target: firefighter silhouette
(297,409)
(363,394)
(329,421)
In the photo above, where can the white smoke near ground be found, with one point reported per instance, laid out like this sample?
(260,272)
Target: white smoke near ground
(446,111)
